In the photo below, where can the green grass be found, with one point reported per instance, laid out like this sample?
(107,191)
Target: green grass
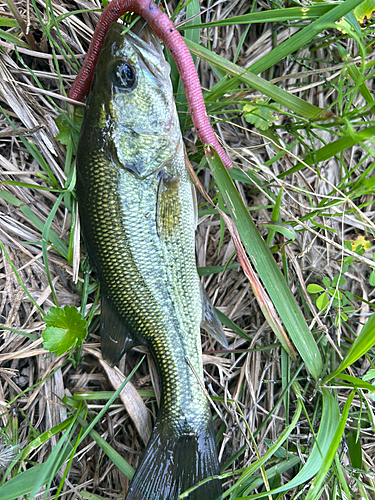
(300,125)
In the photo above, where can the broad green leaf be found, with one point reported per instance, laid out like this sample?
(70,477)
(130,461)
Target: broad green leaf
(326,282)
(313,288)
(322,301)
(361,241)
(369,375)
(267,269)
(335,293)
(338,280)
(364,10)
(69,129)
(22,484)
(364,342)
(65,329)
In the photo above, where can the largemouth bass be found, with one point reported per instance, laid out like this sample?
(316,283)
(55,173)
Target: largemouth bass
(138,219)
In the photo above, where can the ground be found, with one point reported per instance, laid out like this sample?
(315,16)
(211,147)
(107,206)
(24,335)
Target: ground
(307,180)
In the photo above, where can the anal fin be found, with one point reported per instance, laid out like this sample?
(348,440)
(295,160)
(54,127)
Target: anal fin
(116,340)
(210,320)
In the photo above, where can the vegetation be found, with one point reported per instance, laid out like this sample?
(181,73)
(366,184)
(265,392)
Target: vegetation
(289,86)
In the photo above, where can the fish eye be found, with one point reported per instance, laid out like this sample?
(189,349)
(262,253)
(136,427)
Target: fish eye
(123,76)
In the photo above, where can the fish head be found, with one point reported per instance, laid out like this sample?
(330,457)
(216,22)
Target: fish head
(132,100)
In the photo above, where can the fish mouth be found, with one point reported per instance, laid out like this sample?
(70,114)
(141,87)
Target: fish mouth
(143,31)
(149,50)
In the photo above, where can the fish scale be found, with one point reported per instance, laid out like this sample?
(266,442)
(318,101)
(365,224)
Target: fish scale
(138,222)
(179,306)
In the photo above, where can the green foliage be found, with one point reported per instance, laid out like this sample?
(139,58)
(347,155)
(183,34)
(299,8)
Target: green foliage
(69,129)
(260,114)
(331,295)
(65,329)
(364,10)
(359,246)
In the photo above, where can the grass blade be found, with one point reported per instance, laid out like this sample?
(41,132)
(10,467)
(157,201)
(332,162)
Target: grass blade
(364,342)
(247,475)
(21,484)
(267,269)
(290,101)
(326,437)
(272,16)
(314,491)
(111,453)
(331,149)
(304,36)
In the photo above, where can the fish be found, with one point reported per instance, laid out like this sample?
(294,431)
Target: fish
(138,215)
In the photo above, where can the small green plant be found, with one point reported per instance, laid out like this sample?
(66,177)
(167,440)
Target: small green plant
(65,329)
(359,246)
(331,295)
(260,113)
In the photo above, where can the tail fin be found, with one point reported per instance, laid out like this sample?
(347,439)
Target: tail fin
(174,462)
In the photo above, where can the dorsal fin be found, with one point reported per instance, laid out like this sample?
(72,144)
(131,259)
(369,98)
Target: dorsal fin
(195,205)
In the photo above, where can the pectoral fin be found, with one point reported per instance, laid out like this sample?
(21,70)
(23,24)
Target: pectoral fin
(116,340)
(210,320)
(168,210)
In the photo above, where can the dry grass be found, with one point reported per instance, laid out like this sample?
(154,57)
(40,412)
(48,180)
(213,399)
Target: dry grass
(33,383)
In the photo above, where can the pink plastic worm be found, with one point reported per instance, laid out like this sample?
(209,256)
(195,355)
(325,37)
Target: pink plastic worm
(166,31)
